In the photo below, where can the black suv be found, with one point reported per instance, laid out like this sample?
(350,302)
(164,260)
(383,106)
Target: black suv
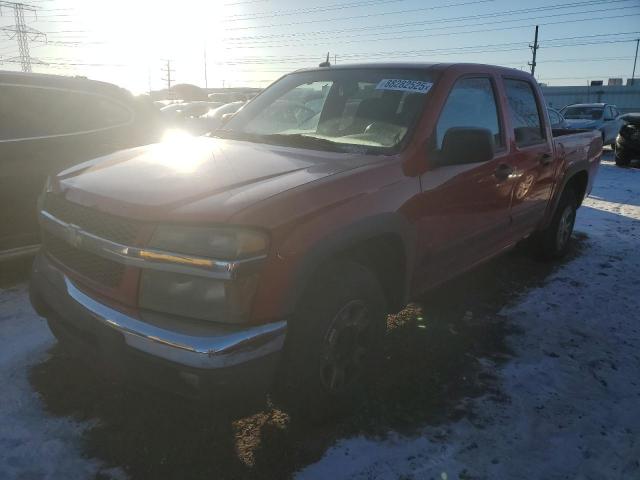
(49,123)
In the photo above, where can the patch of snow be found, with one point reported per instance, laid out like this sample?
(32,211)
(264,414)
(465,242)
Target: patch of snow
(573,383)
(33,444)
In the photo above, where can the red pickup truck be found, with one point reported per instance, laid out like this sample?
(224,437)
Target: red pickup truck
(270,252)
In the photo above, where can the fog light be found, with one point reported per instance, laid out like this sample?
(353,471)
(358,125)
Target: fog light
(227,301)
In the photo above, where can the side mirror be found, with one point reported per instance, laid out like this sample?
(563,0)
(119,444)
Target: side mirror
(463,145)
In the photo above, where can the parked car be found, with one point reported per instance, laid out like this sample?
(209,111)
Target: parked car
(594,116)
(269,256)
(189,109)
(215,117)
(198,118)
(556,118)
(228,97)
(50,123)
(628,140)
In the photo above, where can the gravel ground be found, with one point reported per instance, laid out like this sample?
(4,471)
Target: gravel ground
(518,369)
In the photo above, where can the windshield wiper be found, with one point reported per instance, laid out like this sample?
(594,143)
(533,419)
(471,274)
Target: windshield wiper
(283,139)
(301,140)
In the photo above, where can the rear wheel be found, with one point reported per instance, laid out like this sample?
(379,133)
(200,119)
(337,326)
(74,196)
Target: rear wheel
(333,341)
(555,240)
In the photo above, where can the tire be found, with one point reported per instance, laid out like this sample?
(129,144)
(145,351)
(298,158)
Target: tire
(621,160)
(554,241)
(332,342)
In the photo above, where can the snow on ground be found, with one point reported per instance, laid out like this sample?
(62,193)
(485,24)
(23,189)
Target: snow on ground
(33,445)
(572,387)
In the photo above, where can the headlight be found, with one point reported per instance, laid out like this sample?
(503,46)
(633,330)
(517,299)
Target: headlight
(200,297)
(224,243)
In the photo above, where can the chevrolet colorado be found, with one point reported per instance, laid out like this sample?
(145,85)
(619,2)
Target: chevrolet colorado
(269,253)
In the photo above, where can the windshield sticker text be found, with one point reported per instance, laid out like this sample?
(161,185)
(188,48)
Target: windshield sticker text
(415,86)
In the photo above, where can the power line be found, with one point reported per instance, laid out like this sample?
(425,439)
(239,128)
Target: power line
(505,46)
(425,21)
(448,32)
(308,10)
(368,15)
(431,21)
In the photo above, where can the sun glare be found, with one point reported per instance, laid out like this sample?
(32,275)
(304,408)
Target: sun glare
(180,152)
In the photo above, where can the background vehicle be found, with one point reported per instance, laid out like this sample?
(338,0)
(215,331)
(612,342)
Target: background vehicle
(271,254)
(594,116)
(229,97)
(50,123)
(189,109)
(628,139)
(556,118)
(212,119)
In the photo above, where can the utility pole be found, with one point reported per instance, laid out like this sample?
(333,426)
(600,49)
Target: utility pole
(534,50)
(206,82)
(21,32)
(635,60)
(168,71)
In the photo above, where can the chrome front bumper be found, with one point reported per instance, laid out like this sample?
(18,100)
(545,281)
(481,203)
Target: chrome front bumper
(176,340)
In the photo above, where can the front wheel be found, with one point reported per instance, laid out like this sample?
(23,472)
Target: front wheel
(554,241)
(333,341)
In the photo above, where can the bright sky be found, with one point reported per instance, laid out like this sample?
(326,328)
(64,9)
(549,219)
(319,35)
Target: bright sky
(253,42)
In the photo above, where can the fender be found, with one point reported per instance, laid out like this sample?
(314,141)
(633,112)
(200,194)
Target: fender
(569,173)
(348,237)
(585,164)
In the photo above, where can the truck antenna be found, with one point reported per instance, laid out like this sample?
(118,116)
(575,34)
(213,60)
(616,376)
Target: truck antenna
(326,63)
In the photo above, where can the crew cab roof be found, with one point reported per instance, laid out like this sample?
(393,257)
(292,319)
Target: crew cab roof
(435,67)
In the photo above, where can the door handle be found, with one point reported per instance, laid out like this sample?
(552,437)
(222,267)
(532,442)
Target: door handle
(503,171)
(546,159)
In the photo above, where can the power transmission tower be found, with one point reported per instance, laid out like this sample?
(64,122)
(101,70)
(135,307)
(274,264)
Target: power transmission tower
(168,71)
(22,32)
(534,50)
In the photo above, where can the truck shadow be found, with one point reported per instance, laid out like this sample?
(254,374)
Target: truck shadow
(435,361)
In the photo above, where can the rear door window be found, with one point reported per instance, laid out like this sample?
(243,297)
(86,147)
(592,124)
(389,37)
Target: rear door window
(525,115)
(33,112)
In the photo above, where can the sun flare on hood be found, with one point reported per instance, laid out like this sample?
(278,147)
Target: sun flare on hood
(180,152)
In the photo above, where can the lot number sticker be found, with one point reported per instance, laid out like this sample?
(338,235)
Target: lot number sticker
(414,86)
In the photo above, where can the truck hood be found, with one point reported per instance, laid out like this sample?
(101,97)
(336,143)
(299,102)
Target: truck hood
(582,124)
(195,179)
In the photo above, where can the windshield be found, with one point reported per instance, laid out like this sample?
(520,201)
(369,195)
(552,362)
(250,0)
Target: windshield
(583,113)
(340,110)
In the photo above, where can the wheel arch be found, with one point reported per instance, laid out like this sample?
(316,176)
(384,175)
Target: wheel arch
(384,243)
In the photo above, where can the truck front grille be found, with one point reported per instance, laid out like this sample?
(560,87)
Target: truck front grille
(93,267)
(103,225)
